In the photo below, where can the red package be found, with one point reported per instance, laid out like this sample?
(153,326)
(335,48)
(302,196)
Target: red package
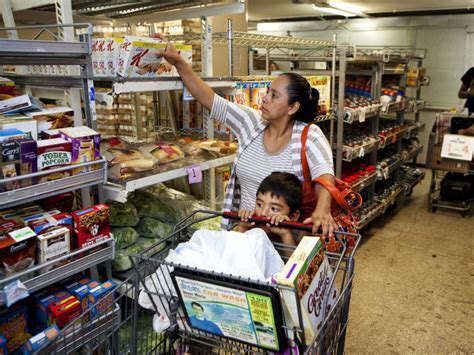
(91,225)
(65,311)
(62,202)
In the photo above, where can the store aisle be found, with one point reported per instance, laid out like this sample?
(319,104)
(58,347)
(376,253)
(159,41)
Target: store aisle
(414,282)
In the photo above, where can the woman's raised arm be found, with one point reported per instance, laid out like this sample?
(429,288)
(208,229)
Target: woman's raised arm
(202,92)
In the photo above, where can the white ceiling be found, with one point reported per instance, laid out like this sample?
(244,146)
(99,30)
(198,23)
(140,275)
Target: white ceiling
(277,9)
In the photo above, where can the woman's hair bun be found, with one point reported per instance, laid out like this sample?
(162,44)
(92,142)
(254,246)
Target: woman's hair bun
(299,90)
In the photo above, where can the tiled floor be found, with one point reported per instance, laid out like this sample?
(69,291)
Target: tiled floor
(413,290)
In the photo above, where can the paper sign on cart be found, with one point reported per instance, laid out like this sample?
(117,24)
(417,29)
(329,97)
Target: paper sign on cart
(457,147)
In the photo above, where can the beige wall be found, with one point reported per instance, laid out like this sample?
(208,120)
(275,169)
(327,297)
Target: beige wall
(220,61)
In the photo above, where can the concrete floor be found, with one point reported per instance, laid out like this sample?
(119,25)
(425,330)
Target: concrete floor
(413,290)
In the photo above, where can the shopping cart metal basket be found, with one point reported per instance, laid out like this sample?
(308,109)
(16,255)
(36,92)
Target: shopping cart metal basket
(121,326)
(446,123)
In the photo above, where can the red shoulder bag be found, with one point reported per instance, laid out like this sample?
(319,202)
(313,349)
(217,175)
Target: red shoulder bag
(344,200)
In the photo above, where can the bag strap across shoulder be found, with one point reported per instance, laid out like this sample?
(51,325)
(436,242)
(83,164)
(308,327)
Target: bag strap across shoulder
(341,192)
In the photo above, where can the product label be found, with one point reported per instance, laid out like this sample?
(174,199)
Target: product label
(50,159)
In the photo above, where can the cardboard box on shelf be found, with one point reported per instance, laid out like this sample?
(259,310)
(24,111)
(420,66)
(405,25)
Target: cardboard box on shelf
(64,311)
(138,59)
(10,164)
(49,223)
(40,340)
(22,123)
(91,225)
(85,146)
(53,118)
(28,160)
(17,251)
(11,133)
(53,153)
(53,244)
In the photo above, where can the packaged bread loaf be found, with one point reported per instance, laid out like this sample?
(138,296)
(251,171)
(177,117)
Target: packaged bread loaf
(162,152)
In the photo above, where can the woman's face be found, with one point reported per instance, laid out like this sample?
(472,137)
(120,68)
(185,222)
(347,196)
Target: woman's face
(275,103)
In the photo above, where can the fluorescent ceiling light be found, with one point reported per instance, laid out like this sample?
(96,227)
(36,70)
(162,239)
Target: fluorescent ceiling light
(332,11)
(346,7)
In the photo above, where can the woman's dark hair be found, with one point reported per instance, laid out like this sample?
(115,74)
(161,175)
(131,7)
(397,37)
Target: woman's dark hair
(284,185)
(299,90)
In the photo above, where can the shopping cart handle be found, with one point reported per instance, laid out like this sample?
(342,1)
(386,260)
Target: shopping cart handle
(262,220)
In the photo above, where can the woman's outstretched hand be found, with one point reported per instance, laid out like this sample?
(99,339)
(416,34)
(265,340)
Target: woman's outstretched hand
(170,53)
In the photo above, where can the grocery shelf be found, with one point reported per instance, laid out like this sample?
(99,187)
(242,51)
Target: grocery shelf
(361,114)
(57,81)
(38,277)
(384,173)
(389,200)
(54,187)
(392,138)
(414,129)
(129,85)
(375,213)
(118,190)
(363,183)
(394,106)
(25,52)
(78,334)
(413,153)
(350,153)
(245,39)
(409,187)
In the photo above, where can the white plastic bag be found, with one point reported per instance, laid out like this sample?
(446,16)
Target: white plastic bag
(249,255)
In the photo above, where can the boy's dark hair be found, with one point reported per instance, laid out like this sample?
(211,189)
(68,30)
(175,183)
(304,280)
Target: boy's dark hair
(284,185)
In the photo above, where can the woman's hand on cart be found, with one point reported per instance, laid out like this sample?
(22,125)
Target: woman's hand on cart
(322,218)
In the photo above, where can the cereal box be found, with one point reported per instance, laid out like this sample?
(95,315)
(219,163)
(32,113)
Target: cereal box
(14,326)
(64,311)
(17,251)
(41,339)
(28,159)
(91,225)
(258,90)
(53,153)
(99,61)
(112,55)
(309,272)
(85,146)
(138,59)
(49,223)
(186,52)
(53,244)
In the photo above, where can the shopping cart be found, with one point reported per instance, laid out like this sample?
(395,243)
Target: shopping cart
(446,123)
(158,281)
(122,326)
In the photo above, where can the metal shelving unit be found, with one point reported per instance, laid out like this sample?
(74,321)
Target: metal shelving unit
(27,52)
(46,274)
(119,191)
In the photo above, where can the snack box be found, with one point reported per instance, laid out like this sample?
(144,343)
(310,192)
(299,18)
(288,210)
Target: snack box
(14,326)
(53,153)
(42,306)
(50,134)
(28,159)
(186,52)
(82,294)
(39,340)
(52,118)
(138,59)
(6,226)
(10,164)
(309,272)
(27,218)
(95,293)
(91,225)
(53,244)
(85,146)
(12,133)
(72,285)
(112,55)
(17,251)
(64,311)
(107,299)
(50,223)
(22,123)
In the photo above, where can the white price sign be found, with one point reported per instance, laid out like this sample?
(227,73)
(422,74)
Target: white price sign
(457,147)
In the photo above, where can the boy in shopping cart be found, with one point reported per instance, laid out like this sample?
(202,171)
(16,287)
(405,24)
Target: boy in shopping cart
(279,198)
